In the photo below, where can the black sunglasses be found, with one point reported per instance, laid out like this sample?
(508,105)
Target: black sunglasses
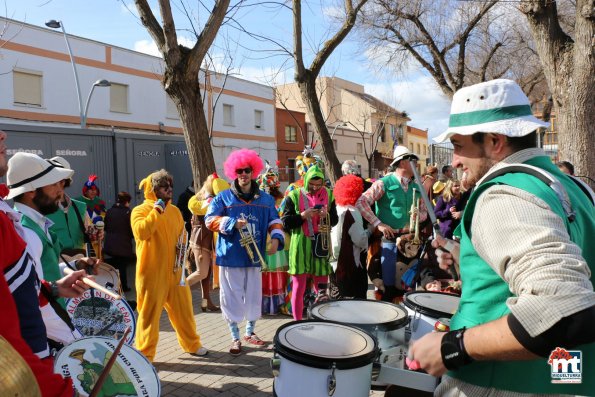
(241,171)
(166,186)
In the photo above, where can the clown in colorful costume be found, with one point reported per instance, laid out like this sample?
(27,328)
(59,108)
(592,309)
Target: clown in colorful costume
(95,205)
(303,210)
(243,207)
(274,279)
(156,225)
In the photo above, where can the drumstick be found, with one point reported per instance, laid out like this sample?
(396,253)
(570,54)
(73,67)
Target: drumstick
(109,365)
(99,225)
(93,284)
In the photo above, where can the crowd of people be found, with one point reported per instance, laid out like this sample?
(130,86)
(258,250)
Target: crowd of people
(515,226)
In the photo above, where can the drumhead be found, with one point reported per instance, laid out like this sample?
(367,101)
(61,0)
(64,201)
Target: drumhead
(84,359)
(320,344)
(433,304)
(363,313)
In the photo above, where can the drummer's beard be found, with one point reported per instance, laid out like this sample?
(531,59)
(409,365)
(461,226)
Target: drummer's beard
(44,203)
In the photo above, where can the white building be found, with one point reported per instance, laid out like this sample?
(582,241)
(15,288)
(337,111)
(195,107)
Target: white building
(38,87)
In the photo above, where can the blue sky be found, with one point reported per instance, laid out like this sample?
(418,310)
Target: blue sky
(111,22)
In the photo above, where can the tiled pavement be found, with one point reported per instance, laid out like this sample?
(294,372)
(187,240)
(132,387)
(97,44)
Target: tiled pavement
(219,373)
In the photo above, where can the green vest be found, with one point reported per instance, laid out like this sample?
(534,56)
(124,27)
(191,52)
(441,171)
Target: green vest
(67,226)
(485,293)
(394,205)
(50,254)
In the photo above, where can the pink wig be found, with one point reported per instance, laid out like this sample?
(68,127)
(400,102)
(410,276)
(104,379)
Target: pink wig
(242,158)
(348,189)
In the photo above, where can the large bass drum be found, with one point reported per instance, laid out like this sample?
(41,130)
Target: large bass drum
(84,359)
(425,308)
(321,359)
(384,320)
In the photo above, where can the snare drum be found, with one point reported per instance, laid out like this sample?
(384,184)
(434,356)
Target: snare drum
(107,276)
(425,308)
(83,360)
(98,314)
(384,320)
(316,359)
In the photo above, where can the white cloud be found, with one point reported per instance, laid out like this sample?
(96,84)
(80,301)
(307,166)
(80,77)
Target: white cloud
(419,96)
(147,47)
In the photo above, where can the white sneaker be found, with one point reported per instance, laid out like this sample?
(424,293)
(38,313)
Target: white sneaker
(203,351)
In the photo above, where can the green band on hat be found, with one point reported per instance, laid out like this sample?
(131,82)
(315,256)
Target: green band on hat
(486,116)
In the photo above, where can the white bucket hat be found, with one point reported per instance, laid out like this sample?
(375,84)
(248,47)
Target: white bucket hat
(496,106)
(402,152)
(27,172)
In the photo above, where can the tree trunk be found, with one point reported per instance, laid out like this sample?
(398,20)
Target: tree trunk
(196,132)
(307,87)
(569,67)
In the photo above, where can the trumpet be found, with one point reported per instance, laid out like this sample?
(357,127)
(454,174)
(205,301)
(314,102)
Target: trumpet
(182,254)
(324,228)
(251,246)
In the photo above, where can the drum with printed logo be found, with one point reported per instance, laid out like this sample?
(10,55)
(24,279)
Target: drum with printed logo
(426,307)
(316,358)
(84,359)
(96,313)
(384,320)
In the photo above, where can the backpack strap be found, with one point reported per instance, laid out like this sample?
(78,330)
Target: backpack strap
(81,223)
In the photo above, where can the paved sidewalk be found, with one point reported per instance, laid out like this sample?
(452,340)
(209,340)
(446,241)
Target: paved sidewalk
(219,373)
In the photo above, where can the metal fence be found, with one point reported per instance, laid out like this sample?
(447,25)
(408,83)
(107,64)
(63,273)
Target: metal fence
(441,154)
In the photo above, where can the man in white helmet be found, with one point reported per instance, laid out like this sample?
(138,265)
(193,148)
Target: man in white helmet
(524,322)
(393,195)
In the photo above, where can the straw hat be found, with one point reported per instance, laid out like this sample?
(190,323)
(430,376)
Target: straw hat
(16,377)
(27,172)
(402,152)
(438,187)
(496,106)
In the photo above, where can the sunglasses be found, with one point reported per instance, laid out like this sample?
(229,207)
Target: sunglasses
(241,171)
(166,186)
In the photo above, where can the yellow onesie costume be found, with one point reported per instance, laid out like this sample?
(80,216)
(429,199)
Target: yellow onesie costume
(157,285)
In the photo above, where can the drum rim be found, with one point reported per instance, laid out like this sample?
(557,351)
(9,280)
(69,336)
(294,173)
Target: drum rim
(424,310)
(323,362)
(385,326)
(116,341)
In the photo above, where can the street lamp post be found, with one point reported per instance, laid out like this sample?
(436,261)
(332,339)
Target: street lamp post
(59,24)
(341,124)
(98,83)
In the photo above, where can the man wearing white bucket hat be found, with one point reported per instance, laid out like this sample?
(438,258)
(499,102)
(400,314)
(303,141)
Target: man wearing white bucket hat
(22,324)
(524,323)
(36,186)
(393,195)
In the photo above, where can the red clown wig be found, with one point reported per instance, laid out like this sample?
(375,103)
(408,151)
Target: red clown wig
(242,158)
(348,189)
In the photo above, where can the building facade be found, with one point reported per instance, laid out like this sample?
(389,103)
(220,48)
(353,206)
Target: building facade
(362,127)
(417,142)
(41,102)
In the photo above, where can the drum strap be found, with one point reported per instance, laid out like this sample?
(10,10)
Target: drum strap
(81,223)
(56,306)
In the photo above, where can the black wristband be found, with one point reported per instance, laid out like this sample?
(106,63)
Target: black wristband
(452,349)
(54,289)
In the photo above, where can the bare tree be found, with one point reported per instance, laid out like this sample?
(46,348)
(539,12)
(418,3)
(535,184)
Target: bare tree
(569,65)
(180,79)
(456,42)
(372,137)
(306,77)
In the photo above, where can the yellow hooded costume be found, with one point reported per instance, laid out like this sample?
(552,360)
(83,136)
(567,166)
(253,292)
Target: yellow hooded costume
(157,285)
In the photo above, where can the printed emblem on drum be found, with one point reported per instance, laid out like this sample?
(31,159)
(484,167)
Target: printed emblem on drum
(84,361)
(98,314)
(566,365)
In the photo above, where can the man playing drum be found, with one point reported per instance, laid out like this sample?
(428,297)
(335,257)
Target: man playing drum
(526,258)
(157,225)
(393,195)
(22,325)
